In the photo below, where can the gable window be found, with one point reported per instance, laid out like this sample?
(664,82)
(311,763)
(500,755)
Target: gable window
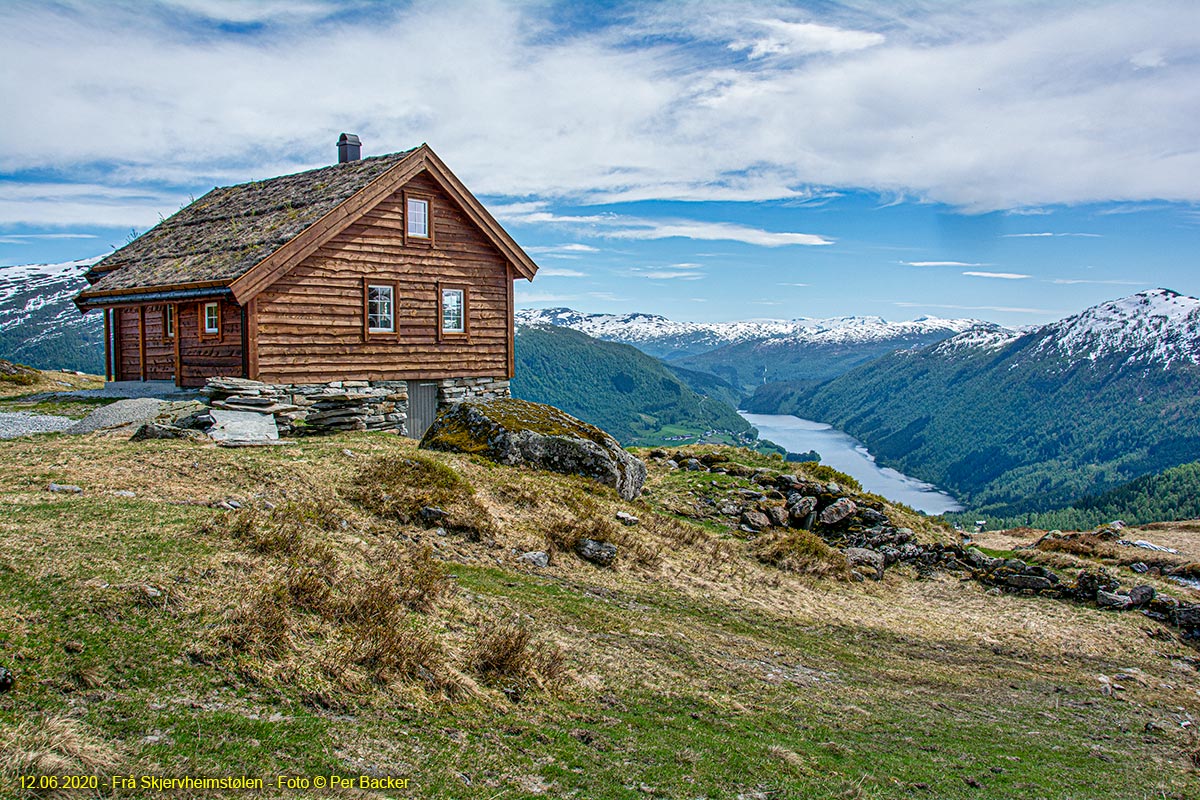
(212,318)
(381,308)
(169,321)
(454,311)
(417,211)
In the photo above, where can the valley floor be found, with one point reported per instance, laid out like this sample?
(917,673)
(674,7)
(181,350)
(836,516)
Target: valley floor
(132,616)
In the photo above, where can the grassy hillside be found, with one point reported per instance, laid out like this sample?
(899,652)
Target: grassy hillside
(1173,494)
(615,386)
(322,629)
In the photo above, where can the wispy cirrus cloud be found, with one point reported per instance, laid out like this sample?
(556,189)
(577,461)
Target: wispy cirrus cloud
(558,272)
(1049,234)
(1007,276)
(942,264)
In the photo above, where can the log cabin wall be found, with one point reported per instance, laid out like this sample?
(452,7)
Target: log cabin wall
(203,356)
(128,356)
(310,323)
(160,351)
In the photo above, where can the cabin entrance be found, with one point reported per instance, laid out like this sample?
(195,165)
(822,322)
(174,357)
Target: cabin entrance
(422,407)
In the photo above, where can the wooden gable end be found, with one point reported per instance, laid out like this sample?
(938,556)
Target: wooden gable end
(310,324)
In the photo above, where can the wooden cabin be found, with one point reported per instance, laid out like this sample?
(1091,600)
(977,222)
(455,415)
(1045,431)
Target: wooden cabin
(383,269)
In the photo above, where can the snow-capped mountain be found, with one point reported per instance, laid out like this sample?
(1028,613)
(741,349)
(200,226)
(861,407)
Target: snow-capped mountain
(670,339)
(1019,420)
(38,322)
(1159,327)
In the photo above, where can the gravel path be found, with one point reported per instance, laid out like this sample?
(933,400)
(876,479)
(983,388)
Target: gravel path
(22,423)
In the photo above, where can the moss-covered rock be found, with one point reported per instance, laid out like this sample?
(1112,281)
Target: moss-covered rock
(517,432)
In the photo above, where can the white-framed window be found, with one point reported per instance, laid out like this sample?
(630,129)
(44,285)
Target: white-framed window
(417,211)
(381,308)
(169,321)
(454,308)
(212,318)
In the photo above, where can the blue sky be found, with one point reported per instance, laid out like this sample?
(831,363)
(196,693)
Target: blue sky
(1012,161)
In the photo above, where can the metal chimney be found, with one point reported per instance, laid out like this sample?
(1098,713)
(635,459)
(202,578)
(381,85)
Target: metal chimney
(349,148)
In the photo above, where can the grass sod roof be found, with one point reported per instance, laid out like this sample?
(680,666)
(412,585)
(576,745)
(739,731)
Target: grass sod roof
(225,233)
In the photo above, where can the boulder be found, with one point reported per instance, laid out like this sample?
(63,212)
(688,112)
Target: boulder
(838,511)
(518,432)
(778,516)
(755,520)
(601,553)
(872,517)
(1141,594)
(154,430)
(625,518)
(1119,602)
(1034,582)
(535,558)
(242,426)
(799,508)
(873,561)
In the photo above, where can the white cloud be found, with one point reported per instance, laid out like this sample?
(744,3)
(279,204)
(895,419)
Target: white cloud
(996,110)
(668,274)
(524,296)
(1007,276)
(557,272)
(26,238)
(942,264)
(715,231)
(1047,234)
(779,37)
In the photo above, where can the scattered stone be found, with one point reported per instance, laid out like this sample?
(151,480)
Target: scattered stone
(1120,602)
(1140,568)
(516,432)
(124,493)
(242,426)
(537,558)
(870,559)
(778,515)
(625,518)
(6,680)
(838,511)
(1034,582)
(693,465)
(1141,595)
(601,553)
(755,520)
(433,514)
(872,517)
(130,412)
(155,430)
(64,488)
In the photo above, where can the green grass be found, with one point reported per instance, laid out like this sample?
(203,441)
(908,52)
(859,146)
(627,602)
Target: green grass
(684,683)
(75,408)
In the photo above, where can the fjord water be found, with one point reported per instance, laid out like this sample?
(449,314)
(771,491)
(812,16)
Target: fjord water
(845,453)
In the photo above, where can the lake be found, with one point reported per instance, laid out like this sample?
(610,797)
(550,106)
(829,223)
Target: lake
(845,453)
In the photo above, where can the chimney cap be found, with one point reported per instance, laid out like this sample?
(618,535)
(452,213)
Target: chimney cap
(349,148)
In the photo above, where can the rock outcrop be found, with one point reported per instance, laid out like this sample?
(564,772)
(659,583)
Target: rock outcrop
(518,432)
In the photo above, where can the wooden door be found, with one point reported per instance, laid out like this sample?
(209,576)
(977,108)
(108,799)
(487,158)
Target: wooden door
(422,407)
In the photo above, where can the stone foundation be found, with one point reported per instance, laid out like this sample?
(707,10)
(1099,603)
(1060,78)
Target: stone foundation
(340,405)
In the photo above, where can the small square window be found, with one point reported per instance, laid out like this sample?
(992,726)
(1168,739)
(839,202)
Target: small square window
(381,307)
(418,218)
(212,318)
(453,311)
(169,321)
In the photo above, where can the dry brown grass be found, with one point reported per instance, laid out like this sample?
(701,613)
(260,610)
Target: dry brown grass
(801,552)
(398,487)
(1085,545)
(54,746)
(18,382)
(505,652)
